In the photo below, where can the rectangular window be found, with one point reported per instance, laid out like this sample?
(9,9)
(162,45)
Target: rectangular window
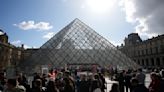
(138,53)
(151,51)
(147,62)
(143,62)
(158,61)
(156,49)
(146,51)
(142,52)
(152,62)
(139,62)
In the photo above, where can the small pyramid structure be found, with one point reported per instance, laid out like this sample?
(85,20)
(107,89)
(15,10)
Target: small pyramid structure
(77,43)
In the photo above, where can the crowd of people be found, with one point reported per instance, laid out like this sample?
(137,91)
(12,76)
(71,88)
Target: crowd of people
(55,81)
(134,81)
(67,81)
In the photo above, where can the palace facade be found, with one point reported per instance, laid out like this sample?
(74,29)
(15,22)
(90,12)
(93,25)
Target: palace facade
(148,53)
(10,55)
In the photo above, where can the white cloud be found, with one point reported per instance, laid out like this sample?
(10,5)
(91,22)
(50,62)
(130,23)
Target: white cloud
(26,46)
(148,14)
(1,33)
(17,42)
(32,25)
(82,6)
(49,35)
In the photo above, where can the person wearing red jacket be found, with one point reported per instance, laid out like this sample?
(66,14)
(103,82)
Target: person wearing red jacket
(155,83)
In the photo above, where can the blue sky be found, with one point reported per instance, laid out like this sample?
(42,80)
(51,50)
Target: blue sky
(33,22)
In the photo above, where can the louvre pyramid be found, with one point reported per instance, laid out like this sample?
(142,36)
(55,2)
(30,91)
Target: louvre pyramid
(77,43)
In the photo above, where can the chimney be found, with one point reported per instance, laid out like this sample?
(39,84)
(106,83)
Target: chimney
(22,46)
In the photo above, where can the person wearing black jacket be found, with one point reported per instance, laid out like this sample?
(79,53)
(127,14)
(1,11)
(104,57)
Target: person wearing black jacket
(138,87)
(68,87)
(128,77)
(103,87)
(121,79)
(83,84)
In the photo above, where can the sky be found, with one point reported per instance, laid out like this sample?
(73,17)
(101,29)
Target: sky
(33,22)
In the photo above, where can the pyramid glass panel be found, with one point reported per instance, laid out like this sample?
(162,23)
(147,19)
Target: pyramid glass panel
(77,43)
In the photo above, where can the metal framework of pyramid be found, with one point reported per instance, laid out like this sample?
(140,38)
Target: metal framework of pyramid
(77,43)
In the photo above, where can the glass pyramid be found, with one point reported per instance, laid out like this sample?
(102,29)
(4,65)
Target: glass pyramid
(77,43)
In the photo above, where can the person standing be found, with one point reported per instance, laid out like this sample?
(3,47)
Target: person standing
(38,86)
(138,87)
(155,83)
(121,79)
(68,87)
(115,88)
(12,86)
(128,77)
(83,84)
(162,81)
(141,77)
(102,78)
(51,87)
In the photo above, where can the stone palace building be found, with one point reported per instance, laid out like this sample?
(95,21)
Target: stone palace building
(10,55)
(148,53)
